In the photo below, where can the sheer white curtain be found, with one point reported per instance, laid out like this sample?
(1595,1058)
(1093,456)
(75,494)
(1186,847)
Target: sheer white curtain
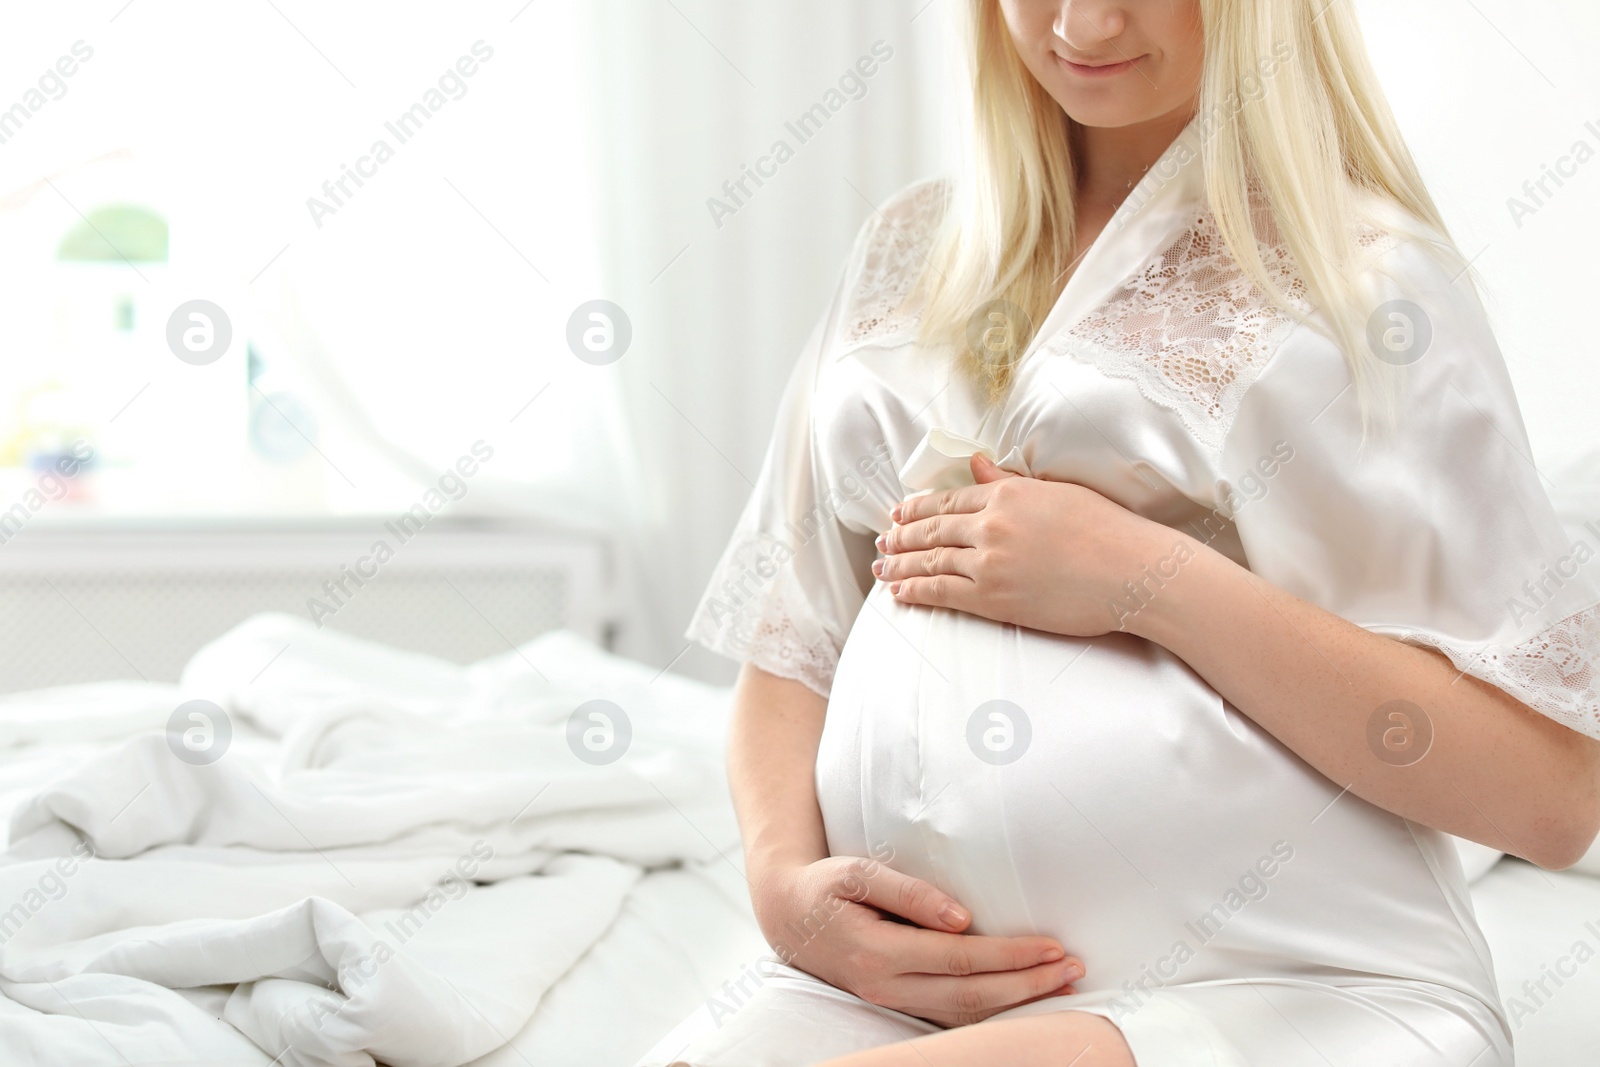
(723,283)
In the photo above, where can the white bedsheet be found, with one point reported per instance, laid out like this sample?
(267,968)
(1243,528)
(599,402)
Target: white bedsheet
(295,899)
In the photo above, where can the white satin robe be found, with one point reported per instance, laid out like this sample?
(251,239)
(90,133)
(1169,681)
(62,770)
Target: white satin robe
(1231,904)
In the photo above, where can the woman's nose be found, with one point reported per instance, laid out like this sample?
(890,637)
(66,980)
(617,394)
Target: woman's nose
(1088,25)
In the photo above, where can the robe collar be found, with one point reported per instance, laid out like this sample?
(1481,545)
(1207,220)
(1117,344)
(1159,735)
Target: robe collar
(1163,202)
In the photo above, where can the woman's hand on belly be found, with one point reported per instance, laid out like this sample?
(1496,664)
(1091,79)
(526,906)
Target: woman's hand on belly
(1048,555)
(834,919)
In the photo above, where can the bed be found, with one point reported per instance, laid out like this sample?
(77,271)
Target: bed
(236,908)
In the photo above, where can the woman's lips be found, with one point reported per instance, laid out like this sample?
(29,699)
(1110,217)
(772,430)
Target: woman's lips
(1105,70)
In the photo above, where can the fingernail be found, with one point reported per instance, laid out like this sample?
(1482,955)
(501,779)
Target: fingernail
(1051,955)
(950,915)
(882,542)
(894,513)
(1073,973)
(877,568)
(894,588)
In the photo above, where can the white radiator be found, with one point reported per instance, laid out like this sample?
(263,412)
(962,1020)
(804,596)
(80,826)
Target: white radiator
(85,603)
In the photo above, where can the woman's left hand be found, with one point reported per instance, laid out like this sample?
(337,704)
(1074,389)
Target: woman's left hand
(1052,556)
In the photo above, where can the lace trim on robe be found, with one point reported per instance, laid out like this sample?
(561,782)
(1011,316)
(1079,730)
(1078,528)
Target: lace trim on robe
(755,612)
(1190,329)
(1556,672)
(896,253)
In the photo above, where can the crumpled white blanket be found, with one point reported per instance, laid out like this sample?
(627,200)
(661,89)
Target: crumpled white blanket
(392,862)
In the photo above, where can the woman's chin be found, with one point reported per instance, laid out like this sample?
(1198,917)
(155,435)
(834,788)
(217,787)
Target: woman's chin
(1109,105)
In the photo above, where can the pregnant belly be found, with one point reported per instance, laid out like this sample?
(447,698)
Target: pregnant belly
(1101,792)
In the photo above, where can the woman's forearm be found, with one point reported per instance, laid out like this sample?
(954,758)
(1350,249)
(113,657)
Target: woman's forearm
(1496,772)
(772,757)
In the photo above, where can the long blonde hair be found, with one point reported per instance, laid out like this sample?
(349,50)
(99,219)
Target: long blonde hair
(1313,144)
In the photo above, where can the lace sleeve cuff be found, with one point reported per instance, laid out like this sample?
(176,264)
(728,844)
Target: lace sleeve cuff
(755,611)
(1555,672)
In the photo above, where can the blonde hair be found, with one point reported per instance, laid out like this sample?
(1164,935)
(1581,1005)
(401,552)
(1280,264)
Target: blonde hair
(1314,144)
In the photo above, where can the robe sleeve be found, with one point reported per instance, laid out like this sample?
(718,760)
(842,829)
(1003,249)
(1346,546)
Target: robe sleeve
(1440,532)
(794,574)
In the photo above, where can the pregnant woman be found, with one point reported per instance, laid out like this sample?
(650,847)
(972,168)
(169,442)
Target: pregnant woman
(1147,573)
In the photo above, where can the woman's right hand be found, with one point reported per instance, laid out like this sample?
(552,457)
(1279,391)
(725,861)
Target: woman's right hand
(832,919)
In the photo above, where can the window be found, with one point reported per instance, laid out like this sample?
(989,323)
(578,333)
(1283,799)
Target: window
(384,211)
